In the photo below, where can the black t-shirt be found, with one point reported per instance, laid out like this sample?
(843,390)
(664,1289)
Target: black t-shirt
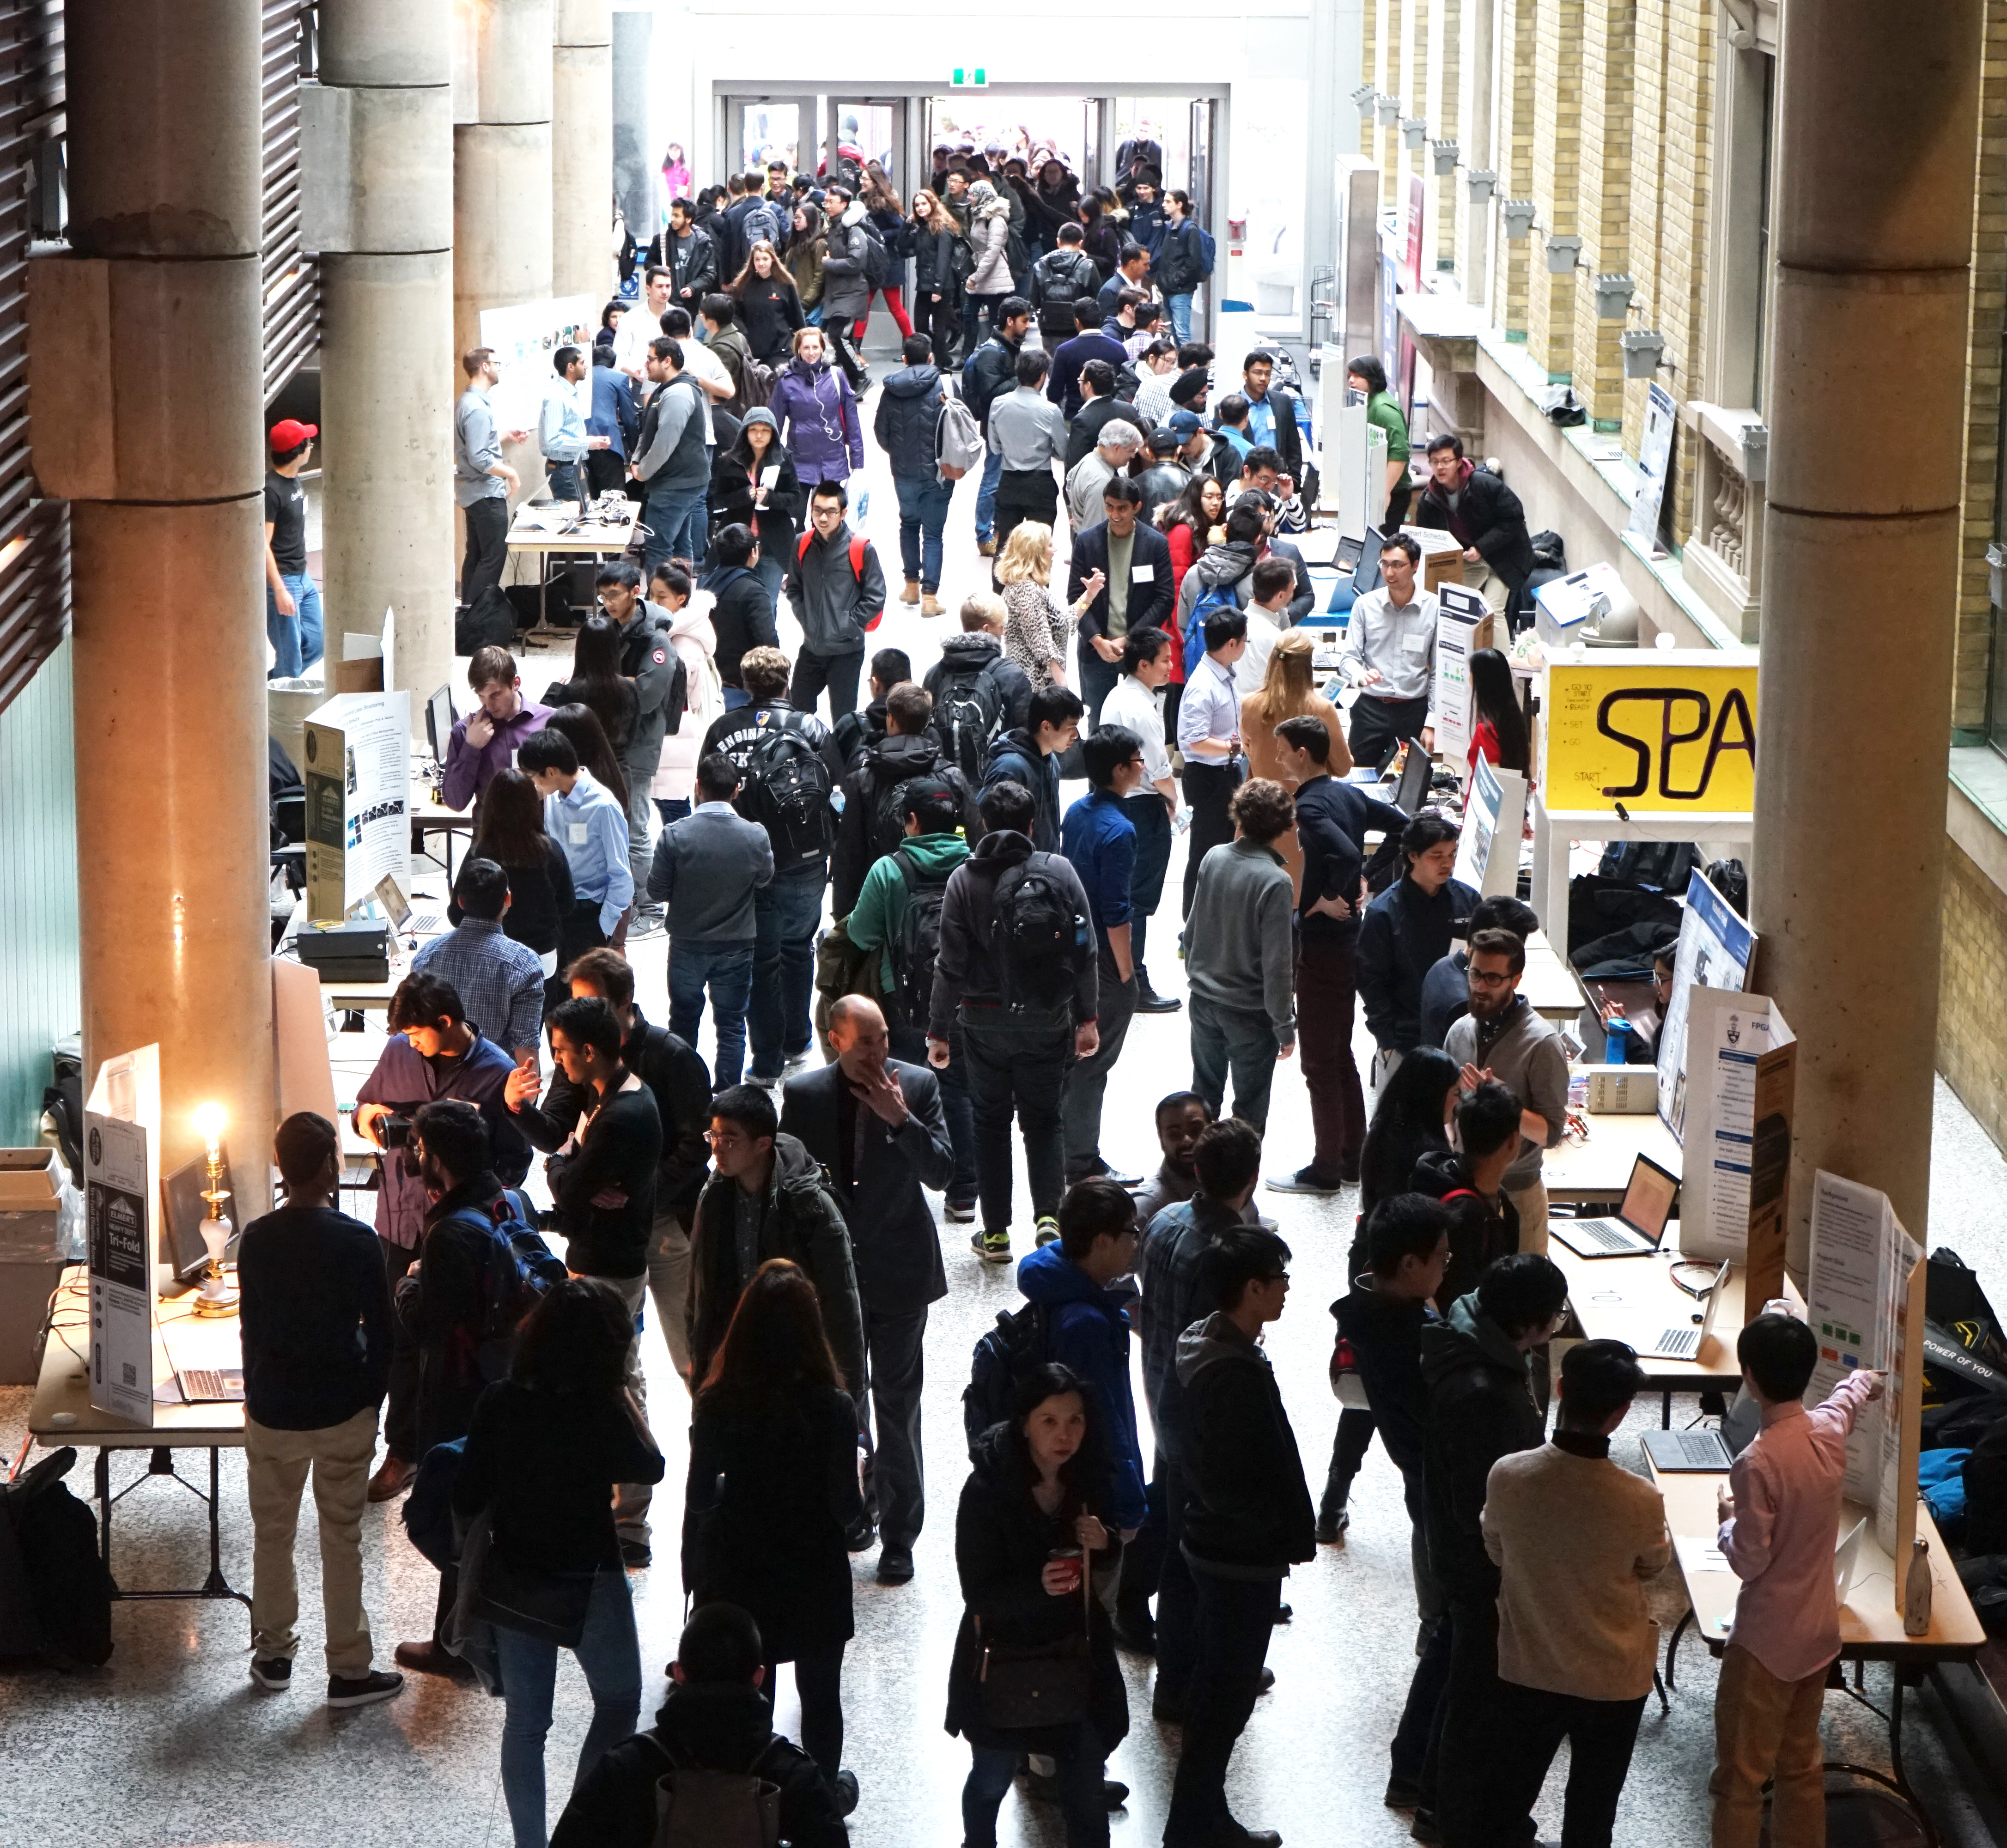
(286,513)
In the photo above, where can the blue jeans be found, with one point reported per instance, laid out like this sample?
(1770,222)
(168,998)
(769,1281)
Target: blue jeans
(1081,1802)
(675,519)
(923,513)
(736,697)
(296,639)
(786,915)
(611,1656)
(772,572)
(1179,308)
(985,495)
(726,970)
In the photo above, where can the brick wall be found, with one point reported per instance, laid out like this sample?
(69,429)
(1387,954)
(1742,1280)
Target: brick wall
(1972,990)
(1518,53)
(1369,68)
(1557,129)
(1607,202)
(1393,81)
(1445,118)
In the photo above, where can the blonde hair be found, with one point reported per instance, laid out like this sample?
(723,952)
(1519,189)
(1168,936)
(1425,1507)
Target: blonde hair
(1288,684)
(983,611)
(1027,554)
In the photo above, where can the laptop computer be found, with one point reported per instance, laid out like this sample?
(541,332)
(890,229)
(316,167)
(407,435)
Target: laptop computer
(210,1385)
(1682,1340)
(1413,788)
(1675,1453)
(1844,1554)
(1641,1221)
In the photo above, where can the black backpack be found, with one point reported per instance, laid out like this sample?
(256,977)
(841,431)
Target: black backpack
(1041,939)
(521,1267)
(878,258)
(488,622)
(1003,1357)
(968,716)
(56,1593)
(787,791)
(918,945)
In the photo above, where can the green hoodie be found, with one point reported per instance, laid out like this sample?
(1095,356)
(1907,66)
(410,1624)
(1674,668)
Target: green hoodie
(880,910)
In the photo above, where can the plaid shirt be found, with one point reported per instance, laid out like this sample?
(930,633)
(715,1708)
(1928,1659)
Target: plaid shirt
(1167,1273)
(500,982)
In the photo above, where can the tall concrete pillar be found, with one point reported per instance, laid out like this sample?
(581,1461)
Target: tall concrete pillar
(1876,139)
(502,180)
(377,203)
(145,415)
(582,150)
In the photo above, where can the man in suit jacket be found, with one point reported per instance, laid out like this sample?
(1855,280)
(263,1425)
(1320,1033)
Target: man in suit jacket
(876,1125)
(1141,600)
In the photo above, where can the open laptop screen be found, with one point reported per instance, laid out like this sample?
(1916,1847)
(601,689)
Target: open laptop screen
(1648,1201)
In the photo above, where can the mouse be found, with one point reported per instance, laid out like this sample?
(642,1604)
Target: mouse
(63,1419)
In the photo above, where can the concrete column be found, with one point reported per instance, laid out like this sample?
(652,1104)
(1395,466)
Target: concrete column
(145,414)
(1873,218)
(377,203)
(582,150)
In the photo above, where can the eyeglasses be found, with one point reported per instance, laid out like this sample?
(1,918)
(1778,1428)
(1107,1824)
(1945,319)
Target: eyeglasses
(1480,979)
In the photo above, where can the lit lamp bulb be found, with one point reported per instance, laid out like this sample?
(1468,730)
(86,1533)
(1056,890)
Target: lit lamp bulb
(217,1298)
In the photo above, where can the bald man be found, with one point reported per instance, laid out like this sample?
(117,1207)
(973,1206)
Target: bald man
(875,1123)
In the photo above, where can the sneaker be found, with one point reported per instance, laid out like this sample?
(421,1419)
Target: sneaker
(635,1555)
(1284,1613)
(1331,1524)
(845,1788)
(363,1690)
(393,1477)
(1048,1229)
(1305,1180)
(993,1246)
(431,1657)
(960,1212)
(274,1675)
(1113,1795)
(797,1060)
(895,1565)
(1424,1829)
(760,1081)
(1105,1173)
(911,593)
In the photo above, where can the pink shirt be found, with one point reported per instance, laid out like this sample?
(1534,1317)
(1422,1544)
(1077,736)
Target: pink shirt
(1780,1542)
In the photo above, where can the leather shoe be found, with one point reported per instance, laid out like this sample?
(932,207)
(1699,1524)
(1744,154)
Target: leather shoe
(1149,1001)
(1231,1835)
(1284,1613)
(1137,1634)
(1331,1524)
(1103,1171)
(895,1565)
(393,1477)
(432,1658)
(860,1536)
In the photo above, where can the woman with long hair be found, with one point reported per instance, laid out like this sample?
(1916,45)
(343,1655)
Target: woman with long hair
(597,681)
(510,831)
(1033,1535)
(1099,239)
(1502,734)
(1191,523)
(881,206)
(546,1447)
(1035,627)
(675,174)
(1288,690)
(769,306)
(580,723)
(936,288)
(772,1489)
(807,246)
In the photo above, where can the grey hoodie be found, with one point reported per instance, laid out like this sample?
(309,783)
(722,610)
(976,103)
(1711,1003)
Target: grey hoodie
(846,288)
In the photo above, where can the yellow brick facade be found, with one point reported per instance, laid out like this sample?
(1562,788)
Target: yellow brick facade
(1972,989)
(1518,51)
(1557,82)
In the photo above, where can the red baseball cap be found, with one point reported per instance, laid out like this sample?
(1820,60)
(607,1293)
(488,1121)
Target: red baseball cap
(289,433)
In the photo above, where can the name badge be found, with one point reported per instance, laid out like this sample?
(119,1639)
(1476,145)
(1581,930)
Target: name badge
(1414,644)
(1143,574)
(578,833)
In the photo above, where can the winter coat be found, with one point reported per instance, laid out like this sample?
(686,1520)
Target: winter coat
(442,1305)
(1046,211)
(805,251)
(1016,758)
(933,259)
(1060,278)
(1404,934)
(884,767)
(1013,684)
(770,1492)
(692,263)
(988,373)
(967,972)
(1002,1540)
(742,615)
(1490,519)
(780,520)
(694,640)
(1477,1232)
(1247,1510)
(846,288)
(771,309)
(835,606)
(896,236)
(1386,1338)
(817,410)
(1178,265)
(1087,1329)
(990,238)
(802,1223)
(1480,1408)
(908,423)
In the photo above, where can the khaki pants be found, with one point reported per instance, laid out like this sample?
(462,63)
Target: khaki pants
(668,1283)
(631,1500)
(1766,1729)
(1532,1203)
(275,1465)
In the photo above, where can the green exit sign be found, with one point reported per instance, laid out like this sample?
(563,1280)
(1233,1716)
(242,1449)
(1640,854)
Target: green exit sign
(965,78)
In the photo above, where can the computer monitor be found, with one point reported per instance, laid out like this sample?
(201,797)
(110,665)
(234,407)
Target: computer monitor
(1367,577)
(186,1209)
(1413,788)
(439,722)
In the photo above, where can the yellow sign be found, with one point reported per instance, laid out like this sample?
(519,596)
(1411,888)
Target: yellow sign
(1660,732)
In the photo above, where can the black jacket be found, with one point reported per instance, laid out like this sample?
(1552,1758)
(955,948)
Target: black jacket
(1289,438)
(882,768)
(315,1318)
(989,372)
(1386,1338)
(908,421)
(1480,1408)
(1084,432)
(896,1246)
(712,1726)
(741,617)
(441,1304)
(1478,1232)
(1404,934)
(1490,519)
(622,1149)
(1149,596)
(1013,684)
(1002,1540)
(673,1070)
(1248,1510)
(1332,863)
(799,1220)
(1014,758)
(779,522)
(772,312)
(1178,266)
(692,267)
(1445,996)
(933,264)
(834,606)
(771,1488)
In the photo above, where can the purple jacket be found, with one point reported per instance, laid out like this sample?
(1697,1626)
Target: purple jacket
(816,408)
(469,771)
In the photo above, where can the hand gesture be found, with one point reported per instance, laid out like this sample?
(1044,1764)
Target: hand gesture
(480,728)
(1093,584)
(1724,1504)
(610,1199)
(1092,1535)
(1086,1040)
(599,442)
(878,1092)
(1878,1383)
(1333,908)
(518,436)
(1469,1078)
(520,1086)
(937,1054)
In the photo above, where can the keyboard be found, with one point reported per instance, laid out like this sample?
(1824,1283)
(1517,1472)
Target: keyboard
(211,1385)
(1678,1344)
(1698,1449)
(426,923)
(1605,1232)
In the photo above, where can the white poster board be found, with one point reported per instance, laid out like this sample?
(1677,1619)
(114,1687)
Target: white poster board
(526,339)
(1714,951)
(1494,816)
(1732,1159)
(120,1187)
(1655,457)
(1458,613)
(357,751)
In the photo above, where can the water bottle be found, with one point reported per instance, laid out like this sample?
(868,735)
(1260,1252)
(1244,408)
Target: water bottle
(1617,1032)
(1916,1591)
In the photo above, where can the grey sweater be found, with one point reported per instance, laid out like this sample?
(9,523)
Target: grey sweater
(1526,1055)
(707,866)
(1239,950)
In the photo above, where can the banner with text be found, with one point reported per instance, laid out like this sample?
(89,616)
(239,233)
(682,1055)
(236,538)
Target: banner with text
(1657,732)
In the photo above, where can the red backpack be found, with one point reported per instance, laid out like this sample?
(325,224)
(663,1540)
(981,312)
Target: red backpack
(857,544)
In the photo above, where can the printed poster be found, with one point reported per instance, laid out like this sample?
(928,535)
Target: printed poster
(1737,1177)
(1714,951)
(1459,612)
(1655,457)
(1494,814)
(358,775)
(117,1196)
(526,339)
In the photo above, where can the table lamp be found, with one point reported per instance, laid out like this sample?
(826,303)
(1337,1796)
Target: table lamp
(217,1298)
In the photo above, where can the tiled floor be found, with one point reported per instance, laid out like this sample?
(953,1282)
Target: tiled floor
(170,1744)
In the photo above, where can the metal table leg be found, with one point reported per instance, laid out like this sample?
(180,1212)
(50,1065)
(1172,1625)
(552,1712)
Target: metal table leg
(1894,1780)
(1673,1646)
(161,1463)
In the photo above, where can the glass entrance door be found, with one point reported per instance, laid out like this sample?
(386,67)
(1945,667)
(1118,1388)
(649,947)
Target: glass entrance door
(758,129)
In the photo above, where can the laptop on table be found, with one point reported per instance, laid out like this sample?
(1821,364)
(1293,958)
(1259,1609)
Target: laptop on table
(1641,1221)
(1683,1341)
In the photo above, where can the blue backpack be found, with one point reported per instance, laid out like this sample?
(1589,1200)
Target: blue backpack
(1209,251)
(1219,597)
(521,1267)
